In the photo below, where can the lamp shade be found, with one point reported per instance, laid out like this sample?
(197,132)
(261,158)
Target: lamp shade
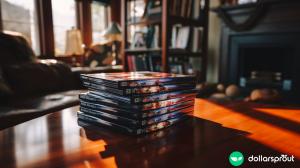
(74,42)
(113,32)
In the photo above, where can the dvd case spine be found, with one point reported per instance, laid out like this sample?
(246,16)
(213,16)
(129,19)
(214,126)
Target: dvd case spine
(101,122)
(146,98)
(154,82)
(133,122)
(140,107)
(159,89)
(138,91)
(110,110)
(130,82)
(99,81)
(96,87)
(135,114)
(138,131)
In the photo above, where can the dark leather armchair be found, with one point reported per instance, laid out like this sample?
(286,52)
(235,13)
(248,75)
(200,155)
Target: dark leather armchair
(30,87)
(22,74)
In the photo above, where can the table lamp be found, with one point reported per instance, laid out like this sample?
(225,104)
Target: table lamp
(74,43)
(113,33)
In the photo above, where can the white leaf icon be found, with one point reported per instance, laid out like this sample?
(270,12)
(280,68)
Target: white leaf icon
(240,158)
(234,158)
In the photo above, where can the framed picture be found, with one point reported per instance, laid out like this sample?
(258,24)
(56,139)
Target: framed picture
(138,40)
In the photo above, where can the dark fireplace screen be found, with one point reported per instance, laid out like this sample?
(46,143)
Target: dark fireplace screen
(264,61)
(266,66)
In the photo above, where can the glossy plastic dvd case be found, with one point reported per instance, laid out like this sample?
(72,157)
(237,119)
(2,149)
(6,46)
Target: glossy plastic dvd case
(97,99)
(133,114)
(135,123)
(137,91)
(146,98)
(135,131)
(136,79)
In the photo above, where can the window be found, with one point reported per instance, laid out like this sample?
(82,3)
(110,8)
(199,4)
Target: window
(20,16)
(64,18)
(100,20)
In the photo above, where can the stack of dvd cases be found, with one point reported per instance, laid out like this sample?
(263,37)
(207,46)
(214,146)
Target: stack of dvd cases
(136,102)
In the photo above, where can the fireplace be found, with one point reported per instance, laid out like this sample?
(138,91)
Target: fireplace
(264,61)
(265,54)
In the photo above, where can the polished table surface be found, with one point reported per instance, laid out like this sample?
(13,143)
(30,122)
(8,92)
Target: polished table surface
(204,140)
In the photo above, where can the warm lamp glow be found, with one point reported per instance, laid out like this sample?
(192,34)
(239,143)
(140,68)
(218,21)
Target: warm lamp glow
(113,32)
(74,42)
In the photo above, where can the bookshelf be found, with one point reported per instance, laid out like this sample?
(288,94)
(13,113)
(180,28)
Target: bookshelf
(165,17)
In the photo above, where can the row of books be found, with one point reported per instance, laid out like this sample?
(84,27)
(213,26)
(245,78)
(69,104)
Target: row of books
(192,66)
(144,62)
(152,9)
(187,8)
(152,62)
(187,37)
(148,37)
(137,102)
(183,37)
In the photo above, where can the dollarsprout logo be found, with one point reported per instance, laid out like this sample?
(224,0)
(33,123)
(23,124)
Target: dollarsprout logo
(236,158)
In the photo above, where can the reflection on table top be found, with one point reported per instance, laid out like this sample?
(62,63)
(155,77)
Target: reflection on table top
(57,140)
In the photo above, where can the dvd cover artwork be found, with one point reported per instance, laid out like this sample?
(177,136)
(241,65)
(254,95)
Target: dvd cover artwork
(148,106)
(135,122)
(147,98)
(134,114)
(138,91)
(165,103)
(136,79)
(139,131)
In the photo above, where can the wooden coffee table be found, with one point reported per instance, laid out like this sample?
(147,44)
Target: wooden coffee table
(206,139)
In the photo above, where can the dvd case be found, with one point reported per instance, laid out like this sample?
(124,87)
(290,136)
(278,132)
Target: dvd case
(146,98)
(140,107)
(135,122)
(138,91)
(136,79)
(134,114)
(138,131)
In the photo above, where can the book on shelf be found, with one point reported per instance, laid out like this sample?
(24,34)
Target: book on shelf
(154,63)
(187,38)
(176,68)
(183,7)
(148,37)
(137,62)
(138,40)
(197,39)
(153,9)
(152,37)
(196,64)
(180,36)
(175,30)
(196,11)
(183,37)
(156,36)
(144,62)
(187,8)
(188,65)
